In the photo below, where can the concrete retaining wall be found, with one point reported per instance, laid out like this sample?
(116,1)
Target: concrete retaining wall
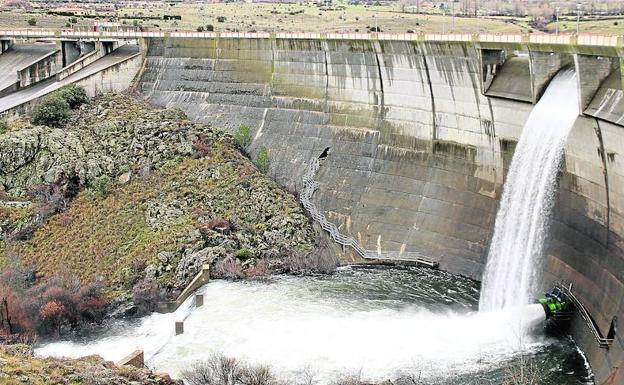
(79,64)
(42,69)
(136,359)
(116,78)
(417,152)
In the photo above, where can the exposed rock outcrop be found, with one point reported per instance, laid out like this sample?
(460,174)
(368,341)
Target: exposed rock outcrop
(110,136)
(134,194)
(19,366)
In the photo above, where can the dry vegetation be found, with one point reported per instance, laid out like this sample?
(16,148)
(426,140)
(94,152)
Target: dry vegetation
(19,366)
(108,236)
(397,17)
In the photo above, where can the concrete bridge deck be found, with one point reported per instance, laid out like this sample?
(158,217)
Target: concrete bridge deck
(45,87)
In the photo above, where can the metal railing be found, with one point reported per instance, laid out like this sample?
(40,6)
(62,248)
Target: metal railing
(309,186)
(589,321)
(586,39)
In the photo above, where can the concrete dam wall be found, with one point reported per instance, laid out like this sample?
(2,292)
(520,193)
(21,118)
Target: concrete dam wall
(420,135)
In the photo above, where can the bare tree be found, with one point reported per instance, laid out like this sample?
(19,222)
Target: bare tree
(522,371)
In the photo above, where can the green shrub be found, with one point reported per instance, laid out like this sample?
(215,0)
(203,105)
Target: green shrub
(74,95)
(4,126)
(200,29)
(242,137)
(32,21)
(53,111)
(262,160)
(101,185)
(243,254)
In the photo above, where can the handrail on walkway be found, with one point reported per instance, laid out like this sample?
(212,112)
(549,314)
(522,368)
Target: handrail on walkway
(310,185)
(604,342)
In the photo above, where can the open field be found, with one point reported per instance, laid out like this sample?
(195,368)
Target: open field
(342,17)
(272,17)
(610,25)
(354,18)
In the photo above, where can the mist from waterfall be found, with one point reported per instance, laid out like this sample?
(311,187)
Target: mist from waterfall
(514,259)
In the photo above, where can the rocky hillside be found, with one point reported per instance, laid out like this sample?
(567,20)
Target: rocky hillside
(139,196)
(18,366)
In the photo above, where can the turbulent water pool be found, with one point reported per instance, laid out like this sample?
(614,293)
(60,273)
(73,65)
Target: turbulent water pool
(380,322)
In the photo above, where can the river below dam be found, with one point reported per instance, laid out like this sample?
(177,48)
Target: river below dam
(380,322)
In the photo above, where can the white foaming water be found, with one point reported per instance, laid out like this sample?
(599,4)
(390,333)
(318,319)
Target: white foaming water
(521,226)
(291,325)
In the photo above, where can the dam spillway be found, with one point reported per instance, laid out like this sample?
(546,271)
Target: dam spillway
(422,134)
(521,228)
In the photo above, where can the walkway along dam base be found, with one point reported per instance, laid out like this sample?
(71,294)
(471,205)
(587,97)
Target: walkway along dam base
(418,133)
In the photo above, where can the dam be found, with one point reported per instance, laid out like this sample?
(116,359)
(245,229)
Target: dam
(419,133)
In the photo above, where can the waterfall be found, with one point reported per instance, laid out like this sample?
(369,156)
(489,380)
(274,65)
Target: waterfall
(522,220)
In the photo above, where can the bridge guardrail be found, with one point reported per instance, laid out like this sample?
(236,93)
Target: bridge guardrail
(534,38)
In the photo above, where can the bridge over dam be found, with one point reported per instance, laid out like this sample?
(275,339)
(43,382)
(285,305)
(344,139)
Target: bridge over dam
(417,132)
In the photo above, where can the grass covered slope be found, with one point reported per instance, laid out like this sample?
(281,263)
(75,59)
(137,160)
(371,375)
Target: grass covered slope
(159,225)
(140,199)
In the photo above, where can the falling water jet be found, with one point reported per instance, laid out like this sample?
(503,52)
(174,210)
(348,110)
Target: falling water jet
(522,220)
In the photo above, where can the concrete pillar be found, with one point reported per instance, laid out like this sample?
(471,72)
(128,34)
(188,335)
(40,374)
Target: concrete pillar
(87,46)
(71,51)
(491,62)
(590,72)
(544,65)
(143,45)
(199,300)
(622,70)
(5,44)
(179,327)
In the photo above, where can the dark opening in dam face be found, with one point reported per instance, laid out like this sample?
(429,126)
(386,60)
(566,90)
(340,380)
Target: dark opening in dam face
(380,322)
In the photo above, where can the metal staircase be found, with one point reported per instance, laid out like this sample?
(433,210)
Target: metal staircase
(310,185)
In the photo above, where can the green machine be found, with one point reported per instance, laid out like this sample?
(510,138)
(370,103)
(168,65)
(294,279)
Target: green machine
(560,304)
(555,304)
